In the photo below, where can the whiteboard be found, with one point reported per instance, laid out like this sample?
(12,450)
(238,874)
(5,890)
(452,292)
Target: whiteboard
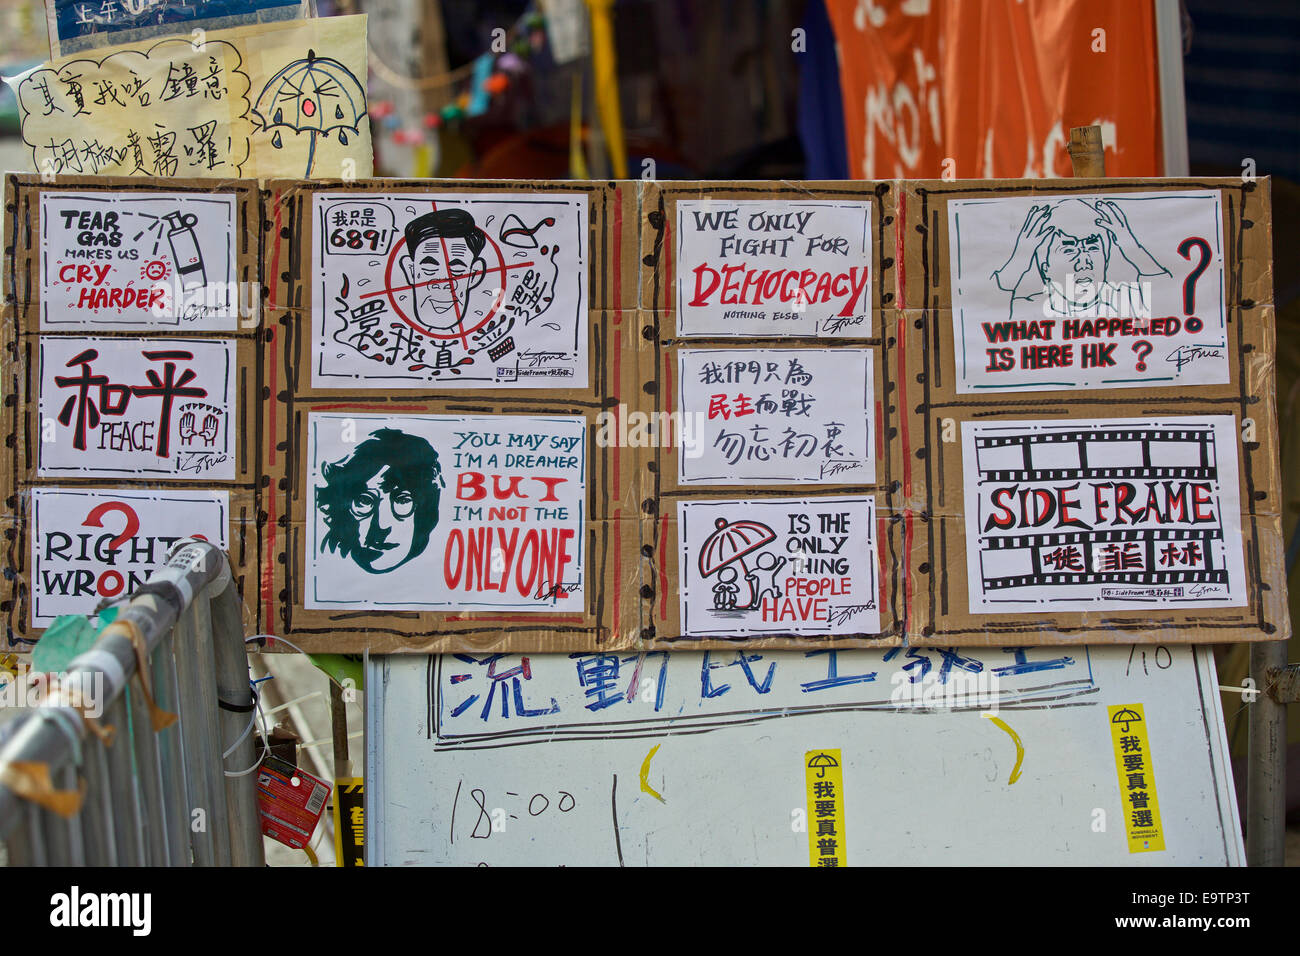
(498,760)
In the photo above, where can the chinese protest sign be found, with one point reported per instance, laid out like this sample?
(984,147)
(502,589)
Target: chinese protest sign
(1088,291)
(824,779)
(1104,515)
(1137,777)
(446,513)
(90,544)
(122,407)
(274,99)
(138,261)
(776,416)
(787,566)
(84,24)
(455,290)
(764,267)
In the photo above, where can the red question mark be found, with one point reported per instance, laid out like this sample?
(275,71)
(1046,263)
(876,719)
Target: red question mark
(1189,284)
(96,520)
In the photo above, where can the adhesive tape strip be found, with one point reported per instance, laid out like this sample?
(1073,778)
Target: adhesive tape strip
(100,659)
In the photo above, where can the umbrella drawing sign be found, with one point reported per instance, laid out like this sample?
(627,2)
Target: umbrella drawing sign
(317,96)
(779,567)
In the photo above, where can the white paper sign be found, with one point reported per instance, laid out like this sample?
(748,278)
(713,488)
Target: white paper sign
(796,566)
(450,290)
(445,513)
(774,267)
(88,545)
(777,416)
(137,407)
(1124,290)
(132,261)
(1115,514)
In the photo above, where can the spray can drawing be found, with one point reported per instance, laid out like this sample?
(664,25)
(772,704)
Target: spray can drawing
(185,250)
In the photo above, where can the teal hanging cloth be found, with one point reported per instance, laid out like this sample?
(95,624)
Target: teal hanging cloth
(479,98)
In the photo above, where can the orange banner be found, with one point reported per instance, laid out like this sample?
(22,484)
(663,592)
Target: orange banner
(990,88)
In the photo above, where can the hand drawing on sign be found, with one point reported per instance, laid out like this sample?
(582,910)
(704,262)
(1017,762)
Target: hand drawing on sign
(458,513)
(1102,291)
(380,504)
(1083,256)
(778,566)
(723,553)
(128,408)
(317,96)
(137,260)
(1102,515)
(473,290)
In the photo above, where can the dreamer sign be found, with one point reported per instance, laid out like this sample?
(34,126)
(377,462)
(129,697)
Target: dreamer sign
(445,513)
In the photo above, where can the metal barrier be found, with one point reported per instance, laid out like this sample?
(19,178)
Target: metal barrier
(166,775)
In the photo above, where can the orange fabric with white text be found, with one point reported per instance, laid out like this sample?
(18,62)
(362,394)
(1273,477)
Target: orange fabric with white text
(990,88)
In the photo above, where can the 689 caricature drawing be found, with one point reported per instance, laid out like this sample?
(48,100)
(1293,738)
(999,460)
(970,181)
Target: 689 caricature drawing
(472,290)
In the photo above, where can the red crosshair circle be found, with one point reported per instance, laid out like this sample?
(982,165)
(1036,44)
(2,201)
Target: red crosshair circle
(462,333)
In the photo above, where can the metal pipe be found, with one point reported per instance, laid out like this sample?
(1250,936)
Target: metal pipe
(231,660)
(1266,759)
(198,801)
(122,790)
(176,814)
(147,775)
(97,813)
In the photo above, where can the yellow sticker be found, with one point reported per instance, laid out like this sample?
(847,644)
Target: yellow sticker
(1137,778)
(826,836)
(349,821)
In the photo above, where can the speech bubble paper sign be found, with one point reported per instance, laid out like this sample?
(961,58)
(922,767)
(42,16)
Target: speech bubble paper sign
(1116,514)
(262,101)
(136,407)
(774,267)
(1088,291)
(796,566)
(776,416)
(88,545)
(138,261)
(445,513)
(452,290)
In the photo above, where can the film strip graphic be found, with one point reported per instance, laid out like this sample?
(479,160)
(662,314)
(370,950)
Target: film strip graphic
(1072,455)
(1152,557)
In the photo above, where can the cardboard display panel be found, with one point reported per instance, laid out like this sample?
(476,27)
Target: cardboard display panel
(1152,346)
(486,416)
(770,329)
(477,330)
(133,385)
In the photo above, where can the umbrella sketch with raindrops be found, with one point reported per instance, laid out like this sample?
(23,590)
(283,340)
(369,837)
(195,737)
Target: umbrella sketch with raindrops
(317,96)
(740,586)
